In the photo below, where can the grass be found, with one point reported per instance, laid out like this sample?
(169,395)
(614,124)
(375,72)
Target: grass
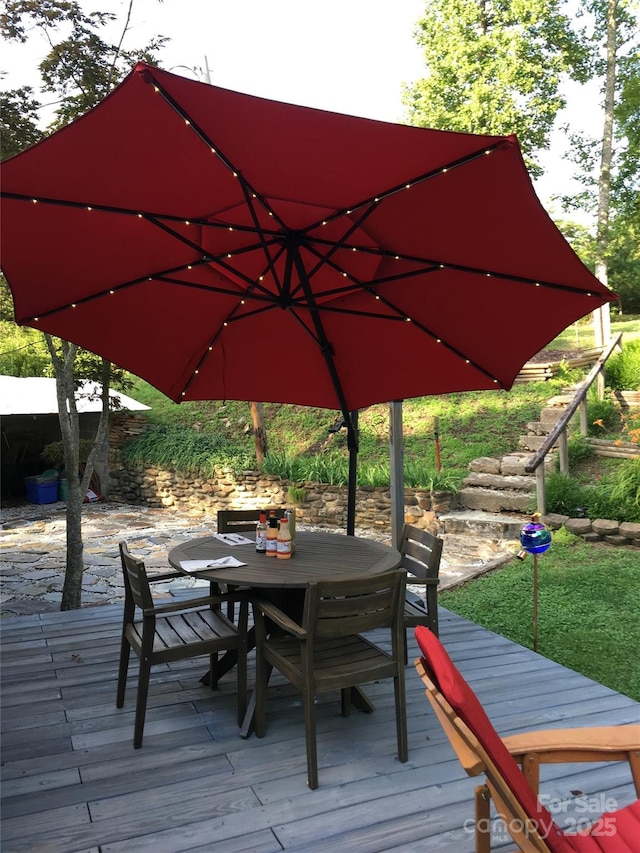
(588,606)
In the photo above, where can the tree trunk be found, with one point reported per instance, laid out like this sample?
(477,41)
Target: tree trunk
(259,431)
(601,317)
(76,485)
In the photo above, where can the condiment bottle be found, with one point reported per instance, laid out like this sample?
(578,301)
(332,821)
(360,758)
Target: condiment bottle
(261,533)
(290,514)
(272,535)
(283,549)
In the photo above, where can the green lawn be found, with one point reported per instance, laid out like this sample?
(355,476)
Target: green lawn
(588,608)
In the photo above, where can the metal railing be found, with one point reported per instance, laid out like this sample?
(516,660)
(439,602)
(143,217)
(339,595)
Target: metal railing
(558,433)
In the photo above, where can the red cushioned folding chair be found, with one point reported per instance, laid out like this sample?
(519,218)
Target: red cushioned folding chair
(511,765)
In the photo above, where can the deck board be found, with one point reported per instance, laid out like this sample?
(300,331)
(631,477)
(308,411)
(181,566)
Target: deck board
(72,782)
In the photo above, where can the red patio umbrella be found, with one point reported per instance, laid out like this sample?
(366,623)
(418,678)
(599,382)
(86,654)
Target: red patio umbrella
(224,246)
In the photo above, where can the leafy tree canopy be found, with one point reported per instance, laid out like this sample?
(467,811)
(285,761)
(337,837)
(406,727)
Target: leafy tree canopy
(496,67)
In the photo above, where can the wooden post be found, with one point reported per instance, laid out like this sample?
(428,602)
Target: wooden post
(257,415)
(563,452)
(396,471)
(540,487)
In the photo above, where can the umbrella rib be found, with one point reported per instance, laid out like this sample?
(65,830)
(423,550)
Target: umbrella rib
(207,258)
(408,184)
(323,341)
(433,265)
(259,231)
(149,78)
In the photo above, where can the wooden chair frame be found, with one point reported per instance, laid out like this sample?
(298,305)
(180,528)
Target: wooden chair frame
(421,554)
(328,652)
(176,631)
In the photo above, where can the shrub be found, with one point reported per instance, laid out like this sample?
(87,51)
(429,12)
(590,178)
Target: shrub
(578,449)
(622,370)
(564,494)
(188,451)
(602,415)
(625,487)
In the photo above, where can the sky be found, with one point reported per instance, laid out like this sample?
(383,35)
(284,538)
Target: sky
(350,56)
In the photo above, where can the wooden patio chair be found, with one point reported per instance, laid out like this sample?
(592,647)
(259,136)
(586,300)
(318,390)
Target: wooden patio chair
(328,652)
(421,552)
(179,630)
(511,765)
(239,521)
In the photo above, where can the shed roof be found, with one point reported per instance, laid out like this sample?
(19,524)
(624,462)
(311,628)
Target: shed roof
(36,395)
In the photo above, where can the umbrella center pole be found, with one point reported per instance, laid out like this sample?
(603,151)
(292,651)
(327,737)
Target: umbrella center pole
(351,418)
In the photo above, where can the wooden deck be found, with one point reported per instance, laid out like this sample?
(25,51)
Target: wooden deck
(71,780)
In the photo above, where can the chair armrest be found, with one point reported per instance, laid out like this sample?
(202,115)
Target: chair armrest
(557,746)
(164,576)
(191,603)
(266,608)
(606,740)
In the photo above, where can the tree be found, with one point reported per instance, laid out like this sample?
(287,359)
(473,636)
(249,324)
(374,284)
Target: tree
(18,120)
(80,68)
(496,67)
(609,171)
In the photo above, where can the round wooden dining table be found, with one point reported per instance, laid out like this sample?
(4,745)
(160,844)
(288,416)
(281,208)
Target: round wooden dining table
(318,556)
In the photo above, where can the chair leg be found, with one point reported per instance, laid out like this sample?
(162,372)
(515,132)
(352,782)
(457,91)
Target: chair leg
(310,736)
(213,671)
(345,700)
(242,661)
(483,819)
(141,702)
(125,648)
(401,717)
(260,691)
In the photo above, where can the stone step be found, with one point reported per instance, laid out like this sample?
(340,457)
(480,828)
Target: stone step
(495,500)
(532,442)
(513,482)
(486,525)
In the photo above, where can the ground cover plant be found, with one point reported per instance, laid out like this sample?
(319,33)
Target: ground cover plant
(588,605)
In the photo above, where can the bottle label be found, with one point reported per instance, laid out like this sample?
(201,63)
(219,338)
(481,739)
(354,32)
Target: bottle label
(284,548)
(261,540)
(271,547)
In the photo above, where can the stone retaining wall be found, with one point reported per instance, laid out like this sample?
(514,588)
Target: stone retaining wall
(321,504)
(317,504)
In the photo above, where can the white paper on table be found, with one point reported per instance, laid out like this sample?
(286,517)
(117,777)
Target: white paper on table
(233,539)
(221,563)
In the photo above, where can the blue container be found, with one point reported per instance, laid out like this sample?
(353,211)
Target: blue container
(41,490)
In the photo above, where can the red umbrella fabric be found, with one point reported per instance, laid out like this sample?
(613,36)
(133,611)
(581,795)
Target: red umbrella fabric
(196,236)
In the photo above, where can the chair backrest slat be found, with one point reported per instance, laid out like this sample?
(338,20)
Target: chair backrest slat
(243,520)
(421,553)
(136,584)
(341,608)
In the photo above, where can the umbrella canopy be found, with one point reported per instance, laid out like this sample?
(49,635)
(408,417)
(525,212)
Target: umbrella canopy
(223,246)
(194,235)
